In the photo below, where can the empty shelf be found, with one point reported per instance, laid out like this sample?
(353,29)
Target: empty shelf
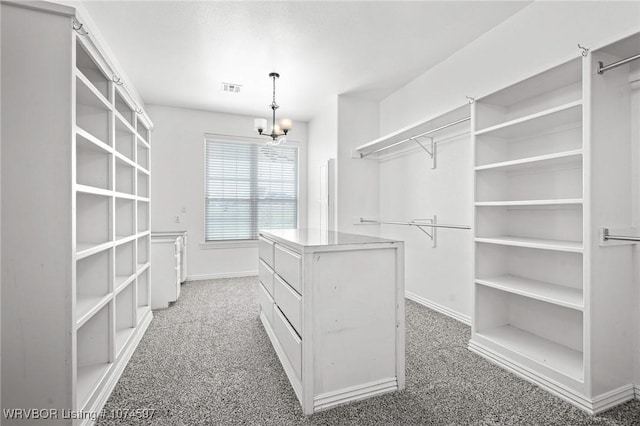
(537,123)
(553,355)
(540,290)
(560,159)
(558,245)
(524,203)
(88,376)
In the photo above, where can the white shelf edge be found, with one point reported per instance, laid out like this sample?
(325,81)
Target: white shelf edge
(89,85)
(123,336)
(144,199)
(524,287)
(532,349)
(144,142)
(95,308)
(94,140)
(124,284)
(143,233)
(530,160)
(537,243)
(142,267)
(141,310)
(530,117)
(120,156)
(124,240)
(143,170)
(124,195)
(124,121)
(86,189)
(86,379)
(552,202)
(91,249)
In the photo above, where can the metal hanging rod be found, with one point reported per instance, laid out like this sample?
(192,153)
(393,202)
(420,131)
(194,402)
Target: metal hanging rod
(603,68)
(431,223)
(428,132)
(606,236)
(414,223)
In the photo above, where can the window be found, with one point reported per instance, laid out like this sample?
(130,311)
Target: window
(248,187)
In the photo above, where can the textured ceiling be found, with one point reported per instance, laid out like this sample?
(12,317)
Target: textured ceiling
(179,52)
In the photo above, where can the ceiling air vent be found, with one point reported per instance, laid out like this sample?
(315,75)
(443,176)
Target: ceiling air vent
(231,87)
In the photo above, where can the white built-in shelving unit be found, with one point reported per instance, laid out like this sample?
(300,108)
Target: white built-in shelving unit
(76,149)
(552,164)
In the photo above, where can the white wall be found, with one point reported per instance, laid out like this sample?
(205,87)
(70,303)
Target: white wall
(321,146)
(539,37)
(177,184)
(357,194)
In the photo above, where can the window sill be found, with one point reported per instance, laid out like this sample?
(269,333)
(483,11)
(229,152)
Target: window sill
(220,245)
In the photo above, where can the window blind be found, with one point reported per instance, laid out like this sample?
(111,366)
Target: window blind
(248,187)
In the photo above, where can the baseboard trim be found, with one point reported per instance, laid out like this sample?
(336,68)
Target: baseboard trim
(592,406)
(439,308)
(354,393)
(202,277)
(637,392)
(113,374)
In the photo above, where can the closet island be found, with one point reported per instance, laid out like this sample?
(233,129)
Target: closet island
(332,305)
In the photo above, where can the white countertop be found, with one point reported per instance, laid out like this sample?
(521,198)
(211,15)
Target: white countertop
(307,237)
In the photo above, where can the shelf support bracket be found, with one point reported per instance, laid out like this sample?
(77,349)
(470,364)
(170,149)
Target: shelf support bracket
(433,233)
(430,149)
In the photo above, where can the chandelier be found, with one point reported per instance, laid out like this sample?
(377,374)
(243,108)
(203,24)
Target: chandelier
(277,132)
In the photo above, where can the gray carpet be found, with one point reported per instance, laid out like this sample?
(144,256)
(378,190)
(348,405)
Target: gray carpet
(206,360)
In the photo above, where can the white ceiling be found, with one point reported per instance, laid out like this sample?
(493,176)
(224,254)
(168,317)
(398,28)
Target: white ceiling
(179,52)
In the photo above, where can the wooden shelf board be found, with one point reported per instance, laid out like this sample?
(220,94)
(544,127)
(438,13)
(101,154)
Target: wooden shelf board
(91,138)
(142,310)
(533,123)
(142,267)
(539,290)
(122,157)
(84,249)
(553,355)
(124,121)
(124,240)
(418,128)
(121,282)
(86,189)
(87,94)
(558,245)
(539,161)
(556,202)
(122,336)
(88,306)
(144,142)
(124,195)
(87,378)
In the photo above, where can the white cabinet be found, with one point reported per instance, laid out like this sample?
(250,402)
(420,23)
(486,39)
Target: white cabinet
(75,215)
(169,258)
(333,307)
(551,167)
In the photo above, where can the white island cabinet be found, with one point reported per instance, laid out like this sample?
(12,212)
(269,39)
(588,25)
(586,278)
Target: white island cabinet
(333,307)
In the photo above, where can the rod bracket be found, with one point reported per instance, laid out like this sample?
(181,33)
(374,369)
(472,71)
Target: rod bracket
(618,236)
(430,149)
(585,51)
(433,231)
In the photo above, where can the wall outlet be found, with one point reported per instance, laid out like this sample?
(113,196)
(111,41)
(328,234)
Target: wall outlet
(184,209)
(177,219)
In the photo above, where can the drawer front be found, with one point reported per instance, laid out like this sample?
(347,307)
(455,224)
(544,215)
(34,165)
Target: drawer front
(289,302)
(265,248)
(266,276)
(289,266)
(266,303)
(289,340)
